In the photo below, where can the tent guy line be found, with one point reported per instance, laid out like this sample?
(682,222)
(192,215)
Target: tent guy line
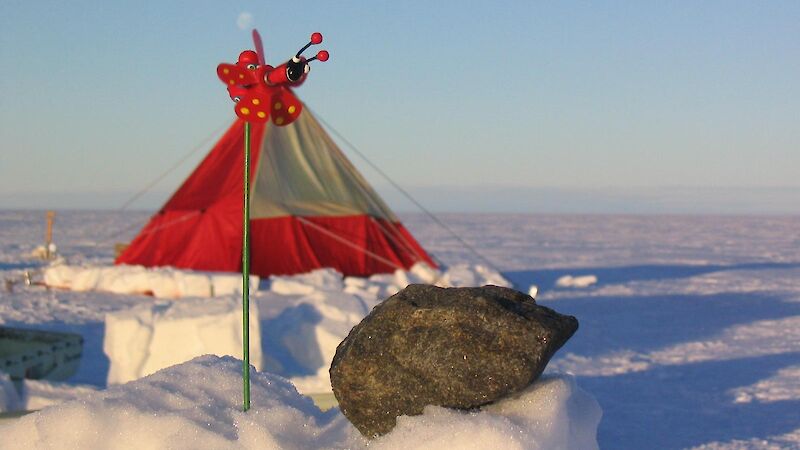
(116,234)
(349,243)
(406,193)
(177,164)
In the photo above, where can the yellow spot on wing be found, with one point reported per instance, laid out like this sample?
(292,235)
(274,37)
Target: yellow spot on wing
(230,82)
(256,101)
(226,71)
(278,105)
(292,109)
(261,114)
(244,111)
(279,121)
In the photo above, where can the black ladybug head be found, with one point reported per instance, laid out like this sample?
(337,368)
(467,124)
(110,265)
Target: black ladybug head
(296,68)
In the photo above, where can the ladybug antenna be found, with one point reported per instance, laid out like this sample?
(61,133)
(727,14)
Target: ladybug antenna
(322,55)
(316,38)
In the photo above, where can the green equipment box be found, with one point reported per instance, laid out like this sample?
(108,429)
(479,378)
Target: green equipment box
(39,354)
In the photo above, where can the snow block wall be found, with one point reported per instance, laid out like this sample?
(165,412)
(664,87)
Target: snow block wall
(149,337)
(160,282)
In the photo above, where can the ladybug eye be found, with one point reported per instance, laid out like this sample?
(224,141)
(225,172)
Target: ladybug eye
(251,66)
(307,68)
(236,99)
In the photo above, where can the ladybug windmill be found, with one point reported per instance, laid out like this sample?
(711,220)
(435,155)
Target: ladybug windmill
(261,91)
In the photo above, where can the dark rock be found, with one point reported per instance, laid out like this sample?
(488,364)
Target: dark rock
(456,347)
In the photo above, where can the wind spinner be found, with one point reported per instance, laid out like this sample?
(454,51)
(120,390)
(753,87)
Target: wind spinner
(261,91)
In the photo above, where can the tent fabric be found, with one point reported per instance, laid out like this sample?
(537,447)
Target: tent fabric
(310,208)
(302,245)
(218,178)
(310,176)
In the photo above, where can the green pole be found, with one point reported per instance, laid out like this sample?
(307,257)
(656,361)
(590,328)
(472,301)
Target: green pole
(246,272)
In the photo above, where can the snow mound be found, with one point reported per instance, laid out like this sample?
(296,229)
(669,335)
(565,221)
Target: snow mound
(44,252)
(196,405)
(381,286)
(465,275)
(160,282)
(552,413)
(307,283)
(385,285)
(576,282)
(148,337)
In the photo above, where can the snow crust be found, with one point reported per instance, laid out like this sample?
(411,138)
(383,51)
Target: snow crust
(196,405)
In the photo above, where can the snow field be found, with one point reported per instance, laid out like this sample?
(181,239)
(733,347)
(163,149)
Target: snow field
(688,339)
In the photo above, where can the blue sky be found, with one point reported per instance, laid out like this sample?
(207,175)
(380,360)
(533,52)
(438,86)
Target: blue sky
(521,98)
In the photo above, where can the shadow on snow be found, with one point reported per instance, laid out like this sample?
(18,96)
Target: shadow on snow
(682,405)
(647,323)
(289,342)
(679,406)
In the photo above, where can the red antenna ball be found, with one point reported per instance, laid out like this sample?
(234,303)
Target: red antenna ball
(316,38)
(323,55)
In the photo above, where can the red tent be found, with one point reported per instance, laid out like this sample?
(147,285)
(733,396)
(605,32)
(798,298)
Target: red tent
(310,208)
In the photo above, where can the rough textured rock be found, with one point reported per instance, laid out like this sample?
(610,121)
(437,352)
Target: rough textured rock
(456,347)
